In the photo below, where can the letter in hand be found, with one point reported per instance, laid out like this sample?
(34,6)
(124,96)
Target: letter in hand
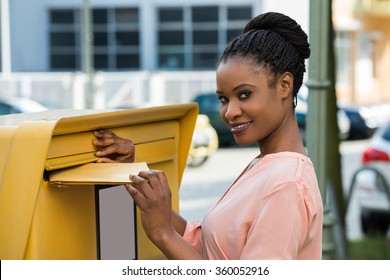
(112,148)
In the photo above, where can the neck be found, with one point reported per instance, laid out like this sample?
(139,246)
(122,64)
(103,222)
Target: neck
(287,140)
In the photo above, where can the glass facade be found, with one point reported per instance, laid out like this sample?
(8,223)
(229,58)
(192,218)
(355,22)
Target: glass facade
(187,37)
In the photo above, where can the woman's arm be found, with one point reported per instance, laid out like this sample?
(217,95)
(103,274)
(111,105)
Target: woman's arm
(178,223)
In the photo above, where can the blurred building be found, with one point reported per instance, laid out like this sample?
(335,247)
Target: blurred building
(144,51)
(363,50)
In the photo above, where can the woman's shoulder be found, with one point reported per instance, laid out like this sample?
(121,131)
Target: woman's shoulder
(293,156)
(288,166)
(286,160)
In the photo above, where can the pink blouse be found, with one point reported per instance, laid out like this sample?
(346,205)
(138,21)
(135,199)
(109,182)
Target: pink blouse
(272,211)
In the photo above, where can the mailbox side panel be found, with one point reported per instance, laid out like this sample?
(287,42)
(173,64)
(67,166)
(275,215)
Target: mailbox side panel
(64,224)
(24,154)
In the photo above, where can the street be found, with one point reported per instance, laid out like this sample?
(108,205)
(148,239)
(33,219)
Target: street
(202,186)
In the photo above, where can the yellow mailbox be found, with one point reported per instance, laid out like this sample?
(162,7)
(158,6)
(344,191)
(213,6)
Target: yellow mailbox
(40,219)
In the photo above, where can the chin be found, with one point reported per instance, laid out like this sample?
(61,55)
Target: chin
(244,142)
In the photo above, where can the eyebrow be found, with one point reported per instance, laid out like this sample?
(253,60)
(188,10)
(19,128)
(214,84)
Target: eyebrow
(241,86)
(237,88)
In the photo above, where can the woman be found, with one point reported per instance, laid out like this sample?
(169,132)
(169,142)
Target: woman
(273,210)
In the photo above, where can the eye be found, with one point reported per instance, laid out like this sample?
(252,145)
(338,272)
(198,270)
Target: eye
(222,99)
(244,94)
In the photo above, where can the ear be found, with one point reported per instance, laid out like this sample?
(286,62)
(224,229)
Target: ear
(285,84)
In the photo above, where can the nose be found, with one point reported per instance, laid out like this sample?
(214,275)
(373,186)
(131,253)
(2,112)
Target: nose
(233,110)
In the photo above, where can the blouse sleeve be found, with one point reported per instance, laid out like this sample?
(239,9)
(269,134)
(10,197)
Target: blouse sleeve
(193,235)
(281,224)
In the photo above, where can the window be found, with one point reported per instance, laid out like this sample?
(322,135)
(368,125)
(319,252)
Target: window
(194,37)
(171,38)
(365,74)
(64,40)
(343,51)
(236,20)
(116,42)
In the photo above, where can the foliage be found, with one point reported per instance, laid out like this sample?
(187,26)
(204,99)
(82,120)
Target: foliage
(370,248)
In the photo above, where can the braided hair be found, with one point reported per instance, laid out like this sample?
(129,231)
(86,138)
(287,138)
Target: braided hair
(276,42)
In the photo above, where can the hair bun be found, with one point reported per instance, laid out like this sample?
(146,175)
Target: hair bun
(284,26)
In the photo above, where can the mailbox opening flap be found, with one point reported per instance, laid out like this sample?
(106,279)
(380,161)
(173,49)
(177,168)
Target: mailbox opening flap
(96,174)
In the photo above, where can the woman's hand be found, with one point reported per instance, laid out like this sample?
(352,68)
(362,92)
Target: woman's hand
(151,193)
(112,148)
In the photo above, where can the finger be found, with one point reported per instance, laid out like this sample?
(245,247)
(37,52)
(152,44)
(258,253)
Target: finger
(136,186)
(101,133)
(107,136)
(158,183)
(107,150)
(137,196)
(161,177)
(105,160)
(152,179)
(101,142)
(141,184)
(163,180)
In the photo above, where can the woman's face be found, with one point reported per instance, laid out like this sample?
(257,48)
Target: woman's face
(254,108)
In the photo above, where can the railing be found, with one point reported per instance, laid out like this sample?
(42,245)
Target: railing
(111,89)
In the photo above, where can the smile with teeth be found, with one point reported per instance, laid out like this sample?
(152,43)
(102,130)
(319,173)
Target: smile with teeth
(237,128)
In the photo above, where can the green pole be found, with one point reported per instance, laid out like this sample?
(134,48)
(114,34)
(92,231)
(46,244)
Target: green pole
(319,85)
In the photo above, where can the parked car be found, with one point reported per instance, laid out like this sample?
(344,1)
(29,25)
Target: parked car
(343,121)
(14,105)
(359,128)
(209,105)
(379,146)
(366,118)
(373,183)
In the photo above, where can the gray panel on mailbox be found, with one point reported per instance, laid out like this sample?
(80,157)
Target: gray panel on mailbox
(116,224)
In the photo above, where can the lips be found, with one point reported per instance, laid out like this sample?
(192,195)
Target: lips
(236,128)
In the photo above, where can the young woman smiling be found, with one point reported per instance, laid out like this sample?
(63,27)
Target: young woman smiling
(273,210)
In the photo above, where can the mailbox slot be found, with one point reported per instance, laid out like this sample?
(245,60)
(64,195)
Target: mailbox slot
(77,148)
